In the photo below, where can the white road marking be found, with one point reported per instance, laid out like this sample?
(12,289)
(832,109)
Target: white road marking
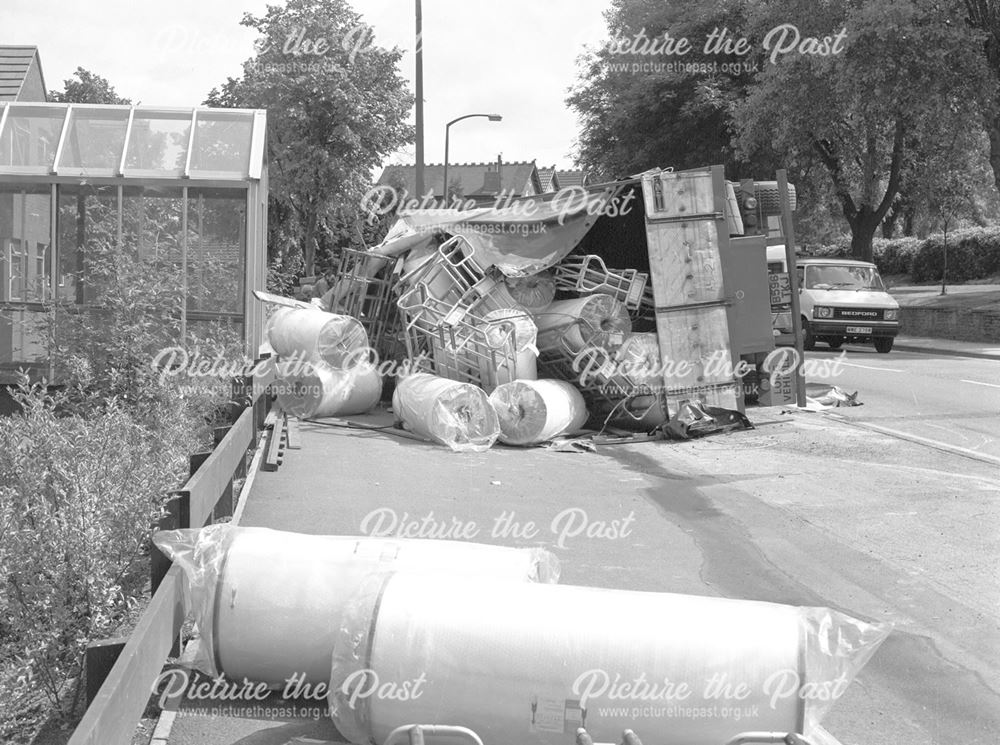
(946,447)
(976,382)
(866,367)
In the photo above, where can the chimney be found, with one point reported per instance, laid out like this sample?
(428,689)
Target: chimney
(491,180)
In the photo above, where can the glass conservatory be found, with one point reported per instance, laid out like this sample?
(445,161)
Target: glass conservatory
(91,196)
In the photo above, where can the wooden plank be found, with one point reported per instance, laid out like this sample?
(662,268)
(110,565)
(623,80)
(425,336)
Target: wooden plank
(178,515)
(293,437)
(684,262)
(209,482)
(99,659)
(694,347)
(112,718)
(685,194)
(272,458)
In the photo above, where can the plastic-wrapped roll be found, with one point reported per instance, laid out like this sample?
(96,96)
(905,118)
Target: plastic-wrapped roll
(534,411)
(591,321)
(311,334)
(498,325)
(269,603)
(532,663)
(638,359)
(312,391)
(534,293)
(455,414)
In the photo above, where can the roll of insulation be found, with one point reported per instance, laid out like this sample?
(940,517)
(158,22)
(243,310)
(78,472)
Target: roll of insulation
(534,293)
(455,414)
(498,324)
(279,597)
(590,321)
(534,411)
(312,391)
(532,663)
(638,360)
(310,334)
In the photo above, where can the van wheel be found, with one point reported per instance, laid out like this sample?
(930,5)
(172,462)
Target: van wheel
(808,340)
(883,344)
(835,342)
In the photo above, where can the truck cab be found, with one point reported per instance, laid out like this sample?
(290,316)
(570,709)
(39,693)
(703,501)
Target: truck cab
(842,300)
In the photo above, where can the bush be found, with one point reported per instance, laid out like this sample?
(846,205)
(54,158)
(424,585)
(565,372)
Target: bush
(973,253)
(84,472)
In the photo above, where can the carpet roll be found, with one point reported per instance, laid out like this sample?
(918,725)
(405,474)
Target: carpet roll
(316,391)
(310,334)
(535,411)
(455,414)
(591,321)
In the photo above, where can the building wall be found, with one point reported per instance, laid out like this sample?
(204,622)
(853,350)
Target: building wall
(33,88)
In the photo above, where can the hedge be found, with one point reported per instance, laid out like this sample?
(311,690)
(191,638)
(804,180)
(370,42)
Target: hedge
(973,253)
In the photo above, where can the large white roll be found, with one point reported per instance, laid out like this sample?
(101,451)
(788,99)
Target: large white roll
(591,321)
(310,334)
(269,603)
(499,324)
(455,414)
(311,391)
(638,359)
(532,663)
(534,293)
(534,411)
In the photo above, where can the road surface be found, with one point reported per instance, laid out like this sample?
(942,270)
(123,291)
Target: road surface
(805,509)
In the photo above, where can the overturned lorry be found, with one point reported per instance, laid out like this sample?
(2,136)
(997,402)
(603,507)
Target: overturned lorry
(645,294)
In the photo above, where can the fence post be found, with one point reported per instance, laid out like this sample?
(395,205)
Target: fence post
(100,657)
(224,507)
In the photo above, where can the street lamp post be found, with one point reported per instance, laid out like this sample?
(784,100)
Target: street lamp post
(491,117)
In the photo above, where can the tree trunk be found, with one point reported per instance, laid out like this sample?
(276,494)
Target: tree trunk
(309,243)
(863,228)
(992,118)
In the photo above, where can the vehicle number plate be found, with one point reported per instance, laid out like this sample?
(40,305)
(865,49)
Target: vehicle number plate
(859,329)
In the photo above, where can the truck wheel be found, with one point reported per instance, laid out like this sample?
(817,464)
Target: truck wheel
(883,344)
(835,342)
(808,340)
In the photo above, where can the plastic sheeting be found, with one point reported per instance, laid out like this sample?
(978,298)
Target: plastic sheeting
(313,335)
(532,663)
(311,391)
(269,603)
(534,293)
(535,411)
(520,239)
(455,414)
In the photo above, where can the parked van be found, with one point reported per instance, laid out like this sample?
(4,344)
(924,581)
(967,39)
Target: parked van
(842,300)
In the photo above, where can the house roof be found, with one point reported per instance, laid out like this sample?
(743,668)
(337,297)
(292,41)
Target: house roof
(471,177)
(15,63)
(549,178)
(572,178)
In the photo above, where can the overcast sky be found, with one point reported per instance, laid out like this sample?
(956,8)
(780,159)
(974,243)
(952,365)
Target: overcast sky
(518,62)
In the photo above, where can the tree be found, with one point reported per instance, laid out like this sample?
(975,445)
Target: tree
(87,87)
(867,114)
(336,107)
(640,107)
(984,16)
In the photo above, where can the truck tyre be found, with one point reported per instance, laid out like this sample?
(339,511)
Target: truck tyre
(835,342)
(808,340)
(883,344)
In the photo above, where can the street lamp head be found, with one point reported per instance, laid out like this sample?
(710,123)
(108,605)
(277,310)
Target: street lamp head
(494,117)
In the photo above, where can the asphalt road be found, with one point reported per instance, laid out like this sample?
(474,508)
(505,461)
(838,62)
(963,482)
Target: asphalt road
(806,509)
(946,399)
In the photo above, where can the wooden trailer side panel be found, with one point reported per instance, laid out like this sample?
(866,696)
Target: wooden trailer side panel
(686,228)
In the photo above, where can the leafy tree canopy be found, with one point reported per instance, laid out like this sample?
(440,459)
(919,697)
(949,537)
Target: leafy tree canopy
(336,107)
(87,87)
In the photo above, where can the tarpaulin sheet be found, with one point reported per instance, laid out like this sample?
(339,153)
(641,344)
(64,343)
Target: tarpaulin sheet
(520,239)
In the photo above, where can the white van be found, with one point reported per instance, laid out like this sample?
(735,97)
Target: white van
(842,300)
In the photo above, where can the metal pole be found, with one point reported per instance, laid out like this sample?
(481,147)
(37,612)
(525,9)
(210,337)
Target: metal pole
(446,128)
(419,78)
(793,280)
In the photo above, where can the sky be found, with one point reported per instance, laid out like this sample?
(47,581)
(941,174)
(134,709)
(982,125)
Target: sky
(518,62)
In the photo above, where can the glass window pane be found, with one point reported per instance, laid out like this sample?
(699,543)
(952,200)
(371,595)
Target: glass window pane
(95,139)
(222,142)
(87,238)
(158,142)
(25,256)
(216,251)
(30,136)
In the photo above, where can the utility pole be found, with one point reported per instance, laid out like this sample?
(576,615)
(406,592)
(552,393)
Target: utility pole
(420,103)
